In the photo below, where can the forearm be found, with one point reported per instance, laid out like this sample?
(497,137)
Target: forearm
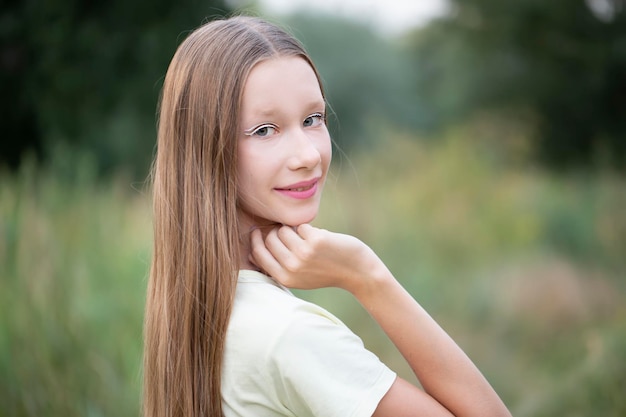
(443,369)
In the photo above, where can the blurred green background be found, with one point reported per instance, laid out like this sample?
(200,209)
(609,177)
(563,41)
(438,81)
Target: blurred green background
(482,155)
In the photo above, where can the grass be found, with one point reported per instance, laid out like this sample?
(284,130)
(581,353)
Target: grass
(74,257)
(523,268)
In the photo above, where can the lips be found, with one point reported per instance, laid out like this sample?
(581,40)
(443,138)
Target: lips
(297,188)
(300,190)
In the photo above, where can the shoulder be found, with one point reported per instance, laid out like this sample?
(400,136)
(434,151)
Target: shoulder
(297,355)
(266,315)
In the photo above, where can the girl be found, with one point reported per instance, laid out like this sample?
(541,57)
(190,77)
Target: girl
(243,154)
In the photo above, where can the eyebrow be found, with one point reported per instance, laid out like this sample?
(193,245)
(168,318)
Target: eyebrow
(268,112)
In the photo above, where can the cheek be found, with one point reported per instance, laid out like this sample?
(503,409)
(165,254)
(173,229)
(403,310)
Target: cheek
(243,174)
(326,152)
(246,191)
(246,179)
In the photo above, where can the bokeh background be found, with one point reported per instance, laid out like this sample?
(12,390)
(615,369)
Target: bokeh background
(481,152)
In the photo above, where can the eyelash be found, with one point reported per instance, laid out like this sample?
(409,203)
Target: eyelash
(320,116)
(255,130)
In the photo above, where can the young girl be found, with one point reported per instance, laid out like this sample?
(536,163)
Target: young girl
(243,154)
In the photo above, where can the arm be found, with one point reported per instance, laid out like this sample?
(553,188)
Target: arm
(313,258)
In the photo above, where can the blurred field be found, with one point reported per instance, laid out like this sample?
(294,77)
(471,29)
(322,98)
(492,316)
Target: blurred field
(524,269)
(74,257)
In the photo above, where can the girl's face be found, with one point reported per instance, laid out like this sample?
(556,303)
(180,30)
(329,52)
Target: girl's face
(284,145)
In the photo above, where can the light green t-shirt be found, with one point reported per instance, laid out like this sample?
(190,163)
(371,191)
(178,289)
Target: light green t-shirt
(288,357)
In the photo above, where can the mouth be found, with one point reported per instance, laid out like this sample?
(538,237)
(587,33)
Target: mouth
(298,189)
(301,190)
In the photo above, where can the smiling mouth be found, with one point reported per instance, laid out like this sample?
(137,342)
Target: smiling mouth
(302,190)
(299,189)
(300,186)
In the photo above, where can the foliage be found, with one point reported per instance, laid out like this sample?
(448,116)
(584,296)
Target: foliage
(88,74)
(73,263)
(556,65)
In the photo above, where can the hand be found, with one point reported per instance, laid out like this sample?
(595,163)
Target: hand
(307,258)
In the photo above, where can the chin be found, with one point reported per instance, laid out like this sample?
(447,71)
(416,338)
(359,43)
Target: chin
(298,220)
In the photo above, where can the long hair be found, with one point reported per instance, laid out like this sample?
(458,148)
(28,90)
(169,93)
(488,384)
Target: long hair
(196,233)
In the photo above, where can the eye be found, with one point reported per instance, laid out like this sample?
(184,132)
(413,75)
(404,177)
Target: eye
(262,131)
(316,119)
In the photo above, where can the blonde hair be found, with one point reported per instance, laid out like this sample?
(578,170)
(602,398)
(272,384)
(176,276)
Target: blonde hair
(196,245)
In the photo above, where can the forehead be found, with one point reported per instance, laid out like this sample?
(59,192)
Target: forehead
(278,85)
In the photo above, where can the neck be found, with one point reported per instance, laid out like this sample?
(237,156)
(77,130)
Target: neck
(244,250)
(247,224)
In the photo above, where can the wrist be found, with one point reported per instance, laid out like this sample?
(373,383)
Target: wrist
(374,285)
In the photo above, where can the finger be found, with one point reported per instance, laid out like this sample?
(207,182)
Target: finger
(252,260)
(262,256)
(280,251)
(305,230)
(290,238)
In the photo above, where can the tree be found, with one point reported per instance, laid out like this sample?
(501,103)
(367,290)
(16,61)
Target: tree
(88,74)
(562,60)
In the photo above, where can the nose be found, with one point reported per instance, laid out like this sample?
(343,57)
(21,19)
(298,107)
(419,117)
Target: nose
(305,153)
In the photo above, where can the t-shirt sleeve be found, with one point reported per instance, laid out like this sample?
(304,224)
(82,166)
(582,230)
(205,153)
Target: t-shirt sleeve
(321,368)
